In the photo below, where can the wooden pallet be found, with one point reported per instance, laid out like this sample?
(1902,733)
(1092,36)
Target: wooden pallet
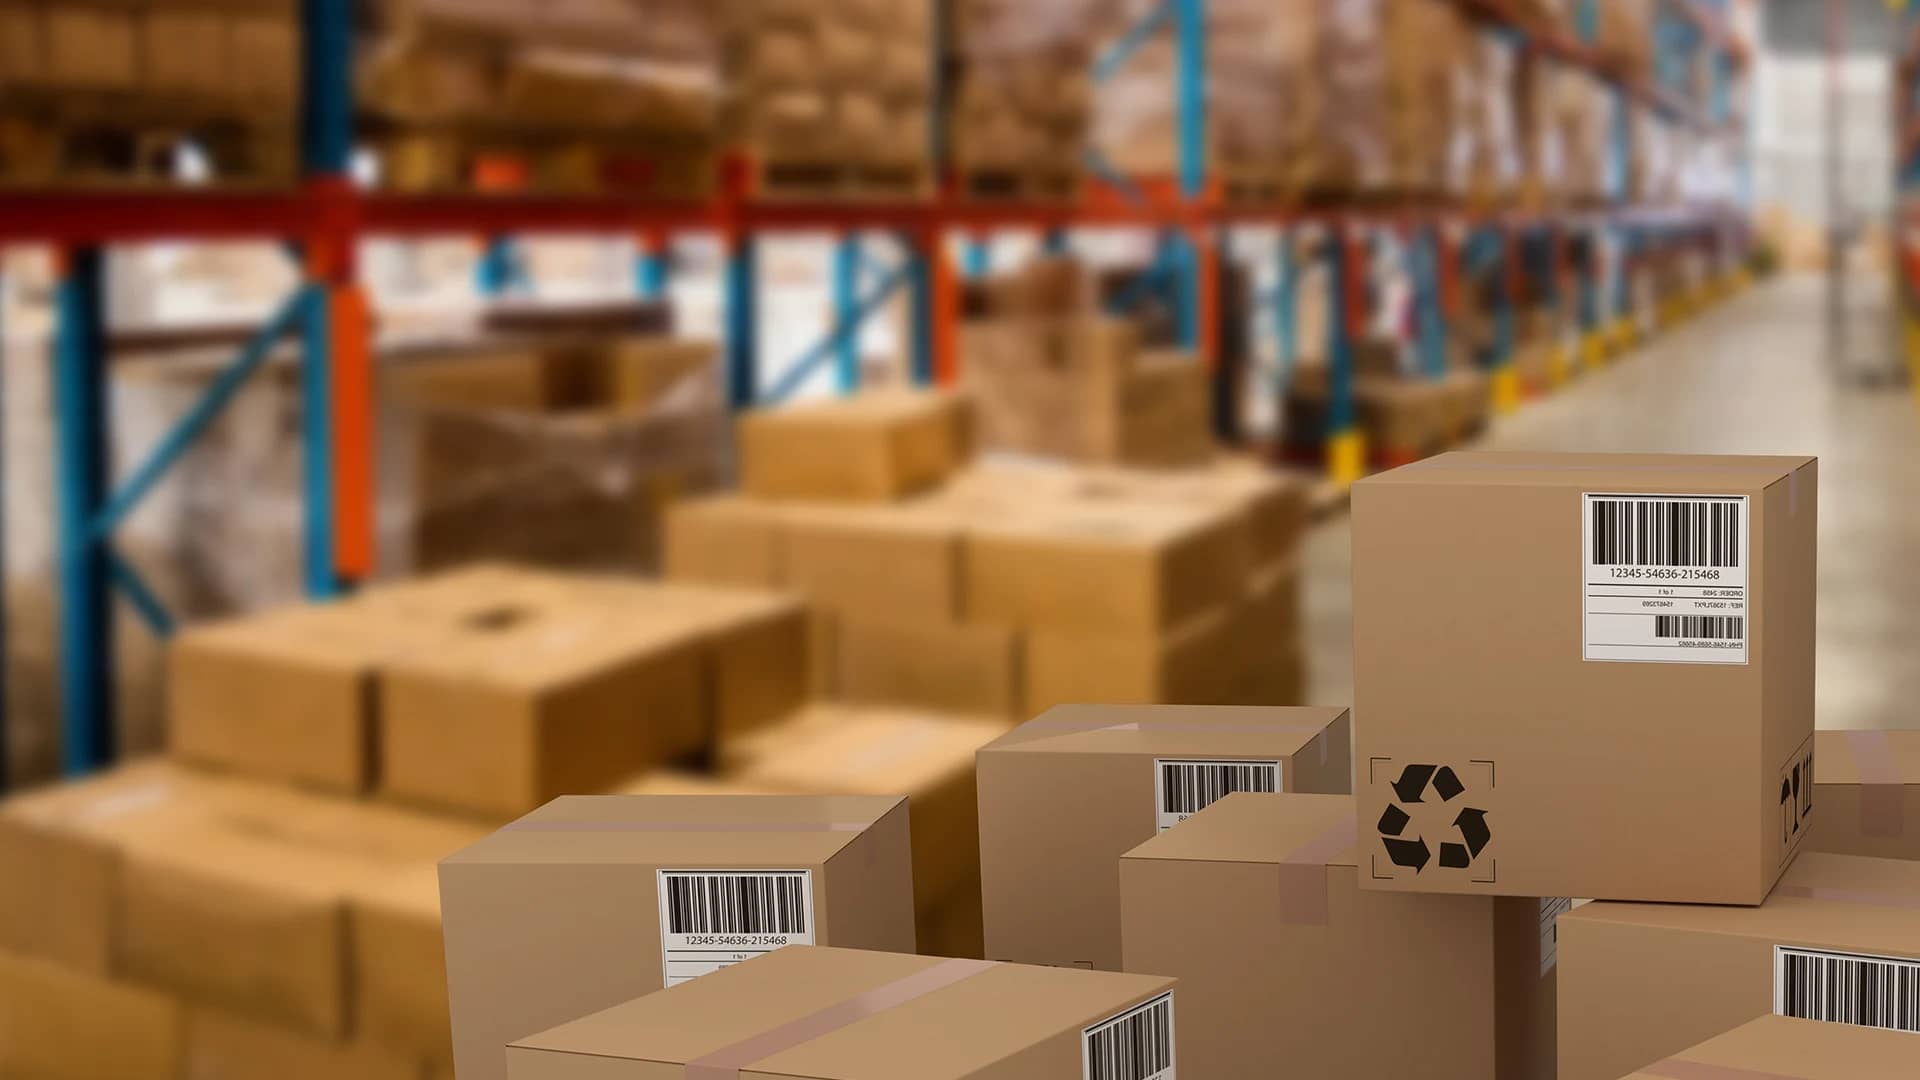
(500,161)
(1019,185)
(795,179)
(37,150)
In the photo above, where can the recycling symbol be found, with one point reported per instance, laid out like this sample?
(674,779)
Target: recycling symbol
(1414,783)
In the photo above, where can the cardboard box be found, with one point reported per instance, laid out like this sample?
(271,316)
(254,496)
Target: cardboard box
(1046,861)
(1867,786)
(873,447)
(1642,982)
(90,48)
(1192,664)
(399,965)
(879,563)
(868,1014)
(1468,631)
(1288,967)
(1105,570)
(1778,1046)
(539,703)
(954,667)
(265,57)
(723,540)
(559,914)
(1277,505)
(183,51)
(221,1046)
(59,1024)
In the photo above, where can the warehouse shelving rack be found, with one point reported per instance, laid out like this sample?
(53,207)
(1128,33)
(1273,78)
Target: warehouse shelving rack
(323,220)
(1906,199)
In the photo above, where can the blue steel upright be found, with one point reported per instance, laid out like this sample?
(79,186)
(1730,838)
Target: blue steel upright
(742,321)
(1190,105)
(81,472)
(846,300)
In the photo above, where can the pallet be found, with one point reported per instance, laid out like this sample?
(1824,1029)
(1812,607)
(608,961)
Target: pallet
(796,179)
(501,161)
(1020,185)
(37,150)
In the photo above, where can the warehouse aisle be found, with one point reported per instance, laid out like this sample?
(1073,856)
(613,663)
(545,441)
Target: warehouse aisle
(1748,378)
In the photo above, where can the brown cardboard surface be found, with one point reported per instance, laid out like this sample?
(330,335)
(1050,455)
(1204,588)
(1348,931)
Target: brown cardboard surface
(951,667)
(1642,982)
(1003,1022)
(558,915)
(873,447)
(221,1046)
(1468,629)
(1276,504)
(1286,966)
(1195,663)
(522,710)
(1867,786)
(888,563)
(1104,570)
(1064,795)
(57,1024)
(1779,1047)
(398,964)
(723,540)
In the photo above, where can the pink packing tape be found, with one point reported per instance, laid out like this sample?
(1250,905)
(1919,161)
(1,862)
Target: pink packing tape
(726,1062)
(1303,874)
(1861,897)
(1681,1069)
(1882,795)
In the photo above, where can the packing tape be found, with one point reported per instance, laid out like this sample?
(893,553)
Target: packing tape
(727,1062)
(1882,795)
(688,826)
(1303,874)
(1861,897)
(1682,1069)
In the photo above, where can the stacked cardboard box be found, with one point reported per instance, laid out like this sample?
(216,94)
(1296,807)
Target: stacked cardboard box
(1810,1050)
(1403,416)
(1022,98)
(1867,785)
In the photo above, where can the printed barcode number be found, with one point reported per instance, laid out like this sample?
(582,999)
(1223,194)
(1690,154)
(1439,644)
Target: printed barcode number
(1706,627)
(1840,988)
(736,903)
(1137,1045)
(1666,532)
(1188,787)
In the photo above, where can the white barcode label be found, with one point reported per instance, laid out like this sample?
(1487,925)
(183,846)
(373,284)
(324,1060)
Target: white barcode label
(710,919)
(1664,578)
(1551,908)
(1846,988)
(1136,1045)
(1182,787)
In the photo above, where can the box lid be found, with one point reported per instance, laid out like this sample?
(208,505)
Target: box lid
(1788,1049)
(1297,829)
(1199,730)
(1627,472)
(862,749)
(1824,900)
(694,830)
(978,1014)
(1869,757)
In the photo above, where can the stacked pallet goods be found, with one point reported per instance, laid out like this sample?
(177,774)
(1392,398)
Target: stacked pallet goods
(148,91)
(652,97)
(1022,96)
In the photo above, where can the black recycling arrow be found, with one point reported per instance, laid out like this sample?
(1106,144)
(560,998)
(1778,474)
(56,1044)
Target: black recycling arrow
(1455,857)
(1413,781)
(1447,784)
(1473,829)
(1393,821)
(1411,853)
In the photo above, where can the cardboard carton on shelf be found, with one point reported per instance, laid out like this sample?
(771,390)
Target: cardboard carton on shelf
(874,447)
(836,1014)
(1642,982)
(593,900)
(222,1046)
(1255,906)
(1658,608)
(1782,1046)
(1867,786)
(1049,889)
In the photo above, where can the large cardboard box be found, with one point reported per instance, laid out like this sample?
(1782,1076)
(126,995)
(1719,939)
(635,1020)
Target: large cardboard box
(91,48)
(538,703)
(841,1014)
(1194,663)
(1867,786)
(723,540)
(221,1046)
(60,1024)
(590,901)
(398,965)
(1777,1046)
(955,667)
(882,563)
(1836,941)
(1288,967)
(1585,674)
(873,447)
(1047,860)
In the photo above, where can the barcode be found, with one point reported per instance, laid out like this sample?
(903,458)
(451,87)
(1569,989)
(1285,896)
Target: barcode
(708,903)
(1188,787)
(1839,988)
(1711,627)
(1666,532)
(1136,1045)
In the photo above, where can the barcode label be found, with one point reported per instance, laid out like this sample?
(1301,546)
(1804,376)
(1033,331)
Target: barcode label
(1844,988)
(1136,1045)
(1664,578)
(1707,627)
(710,919)
(1551,908)
(1183,787)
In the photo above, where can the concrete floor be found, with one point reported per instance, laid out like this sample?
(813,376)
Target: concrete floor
(1749,377)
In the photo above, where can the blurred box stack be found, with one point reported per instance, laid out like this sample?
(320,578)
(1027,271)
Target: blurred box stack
(647,97)
(1405,413)
(1022,96)
(1050,375)
(115,92)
